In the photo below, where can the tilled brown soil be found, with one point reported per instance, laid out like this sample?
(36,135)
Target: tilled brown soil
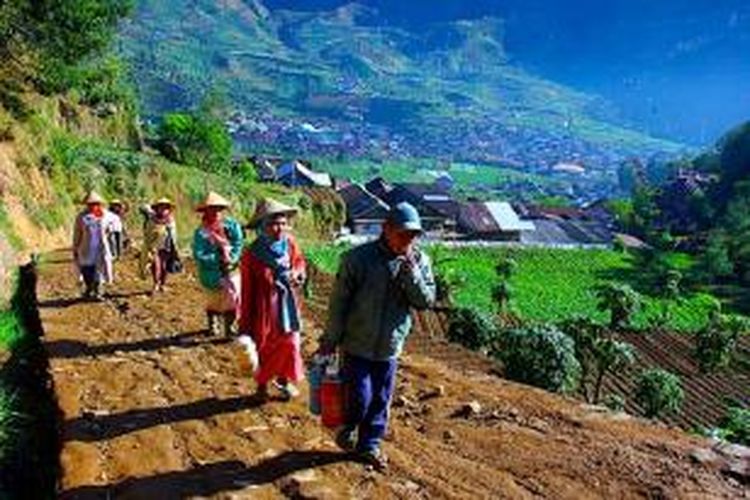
(154,408)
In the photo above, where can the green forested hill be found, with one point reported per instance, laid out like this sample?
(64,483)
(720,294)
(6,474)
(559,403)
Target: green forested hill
(450,90)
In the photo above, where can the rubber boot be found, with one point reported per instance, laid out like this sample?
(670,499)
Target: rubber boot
(213,323)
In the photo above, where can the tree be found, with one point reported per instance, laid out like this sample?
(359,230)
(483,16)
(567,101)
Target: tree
(621,301)
(669,290)
(627,174)
(503,290)
(501,294)
(714,263)
(716,343)
(734,158)
(610,356)
(645,209)
(597,353)
(197,139)
(505,268)
(623,213)
(50,36)
(541,356)
(659,392)
(736,223)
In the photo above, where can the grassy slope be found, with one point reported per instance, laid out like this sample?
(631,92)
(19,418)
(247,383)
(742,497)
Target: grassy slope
(58,162)
(549,284)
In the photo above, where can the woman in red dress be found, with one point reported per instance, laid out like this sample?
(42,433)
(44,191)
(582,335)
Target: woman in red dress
(273,269)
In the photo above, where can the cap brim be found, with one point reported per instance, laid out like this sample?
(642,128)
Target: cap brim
(410,226)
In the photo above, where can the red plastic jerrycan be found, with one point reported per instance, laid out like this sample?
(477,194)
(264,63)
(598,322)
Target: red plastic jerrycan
(332,402)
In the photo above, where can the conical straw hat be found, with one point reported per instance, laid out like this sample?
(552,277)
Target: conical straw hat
(213,200)
(163,201)
(92,198)
(268,207)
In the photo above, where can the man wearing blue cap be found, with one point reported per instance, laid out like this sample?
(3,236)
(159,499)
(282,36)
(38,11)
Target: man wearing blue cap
(369,319)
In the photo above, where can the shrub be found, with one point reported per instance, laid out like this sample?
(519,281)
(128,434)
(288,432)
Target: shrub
(614,402)
(472,329)
(659,392)
(444,288)
(735,426)
(715,344)
(542,356)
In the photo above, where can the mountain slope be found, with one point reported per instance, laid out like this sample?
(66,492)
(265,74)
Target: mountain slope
(369,88)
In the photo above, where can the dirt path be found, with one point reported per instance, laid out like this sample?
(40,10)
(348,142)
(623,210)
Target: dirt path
(156,409)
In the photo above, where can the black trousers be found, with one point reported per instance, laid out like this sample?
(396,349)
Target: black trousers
(91,279)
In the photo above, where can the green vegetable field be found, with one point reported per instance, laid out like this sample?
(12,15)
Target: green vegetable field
(548,284)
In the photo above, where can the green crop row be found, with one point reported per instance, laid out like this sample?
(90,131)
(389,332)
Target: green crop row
(549,285)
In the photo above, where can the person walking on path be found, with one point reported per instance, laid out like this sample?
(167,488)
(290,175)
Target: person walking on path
(217,245)
(273,269)
(91,252)
(369,319)
(159,241)
(118,236)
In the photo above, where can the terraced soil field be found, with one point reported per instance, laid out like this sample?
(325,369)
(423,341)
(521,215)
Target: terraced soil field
(706,395)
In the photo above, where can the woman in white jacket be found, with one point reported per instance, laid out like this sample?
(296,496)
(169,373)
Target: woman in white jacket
(91,252)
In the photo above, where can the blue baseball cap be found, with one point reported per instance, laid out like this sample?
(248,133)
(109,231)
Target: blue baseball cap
(405,217)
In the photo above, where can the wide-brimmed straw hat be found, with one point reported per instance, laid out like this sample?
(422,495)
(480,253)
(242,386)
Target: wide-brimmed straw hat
(163,201)
(214,200)
(269,207)
(92,198)
(116,201)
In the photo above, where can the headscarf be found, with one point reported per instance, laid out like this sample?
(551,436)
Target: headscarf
(275,254)
(214,228)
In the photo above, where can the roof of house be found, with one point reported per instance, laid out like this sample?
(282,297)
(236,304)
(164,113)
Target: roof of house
(507,218)
(566,232)
(429,199)
(298,168)
(555,213)
(476,218)
(630,241)
(360,203)
(265,169)
(379,187)
(547,232)
(491,217)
